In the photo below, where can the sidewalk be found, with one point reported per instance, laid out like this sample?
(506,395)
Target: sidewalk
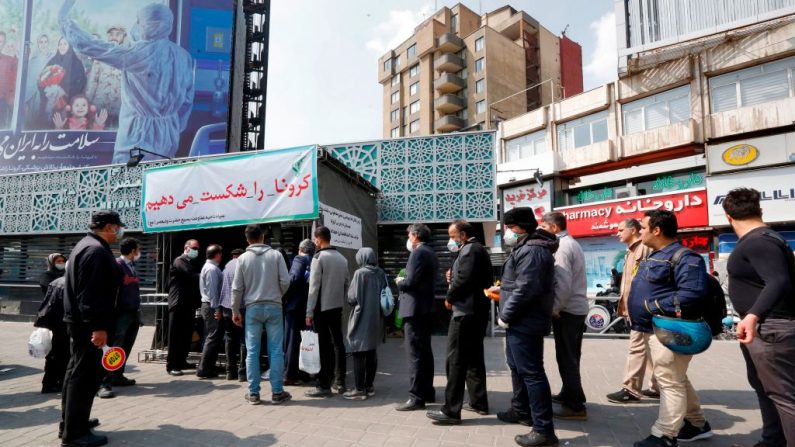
(165,411)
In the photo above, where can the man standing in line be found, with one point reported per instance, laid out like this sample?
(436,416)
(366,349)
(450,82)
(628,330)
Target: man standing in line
(128,318)
(762,289)
(638,357)
(295,310)
(329,279)
(210,282)
(261,279)
(91,283)
(656,287)
(183,299)
(235,342)
(466,365)
(568,317)
(417,294)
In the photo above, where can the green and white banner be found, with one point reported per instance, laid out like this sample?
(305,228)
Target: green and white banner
(260,187)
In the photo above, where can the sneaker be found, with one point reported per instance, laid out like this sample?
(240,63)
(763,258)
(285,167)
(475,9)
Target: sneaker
(318,392)
(106,392)
(468,407)
(653,441)
(280,398)
(690,433)
(513,417)
(252,398)
(651,393)
(567,414)
(355,395)
(340,389)
(622,397)
(242,377)
(536,439)
(266,376)
(371,391)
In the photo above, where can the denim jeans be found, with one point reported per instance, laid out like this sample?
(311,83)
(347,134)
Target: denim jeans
(268,317)
(532,397)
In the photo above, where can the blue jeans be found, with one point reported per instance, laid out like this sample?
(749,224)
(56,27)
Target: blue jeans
(531,394)
(266,317)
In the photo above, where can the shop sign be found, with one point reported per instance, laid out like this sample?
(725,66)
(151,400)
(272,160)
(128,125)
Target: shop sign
(776,186)
(602,219)
(346,229)
(751,153)
(539,198)
(273,186)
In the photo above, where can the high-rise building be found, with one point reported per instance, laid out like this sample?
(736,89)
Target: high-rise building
(463,71)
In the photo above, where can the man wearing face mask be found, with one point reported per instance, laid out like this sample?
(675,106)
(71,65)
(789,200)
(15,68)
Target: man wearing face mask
(128,317)
(91,282)
(417,292)
(471,274)
(183,300)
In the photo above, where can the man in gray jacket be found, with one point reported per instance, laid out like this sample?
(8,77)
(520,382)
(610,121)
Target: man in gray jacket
(329,279)
(261,279)
(568,316)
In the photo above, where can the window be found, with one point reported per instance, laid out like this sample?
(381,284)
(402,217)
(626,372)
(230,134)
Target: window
(414,70)
(463,74)
(387,64)
(414,107)
(454,23)
(395,97)
(463,114)
(526,146)
(478,44)
(394,115)
(479,65)
(480,107)
(480,84)
(751,86)
(411,52)
(395,132)
(397,61)
(396,80)
(414,126)
(582,132)
(662,109)
(414,88)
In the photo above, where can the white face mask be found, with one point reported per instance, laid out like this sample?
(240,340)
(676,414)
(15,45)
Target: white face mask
(60,267)
(409,245)
(119,233)
(453,246)
(510,238)
(193,254)
(137,257)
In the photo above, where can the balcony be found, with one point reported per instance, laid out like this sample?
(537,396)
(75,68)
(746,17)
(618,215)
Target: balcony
(449,104)
(449,123)
(449,83)
(449,63)
(752,118)
(593,154)
(450,43)
(665,137)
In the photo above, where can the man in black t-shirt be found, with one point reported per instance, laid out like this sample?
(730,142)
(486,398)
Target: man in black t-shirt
(762,290)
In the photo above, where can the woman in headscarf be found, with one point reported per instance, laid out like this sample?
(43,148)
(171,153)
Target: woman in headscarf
(56,263)
(365,322)
(74,80)
(51,317)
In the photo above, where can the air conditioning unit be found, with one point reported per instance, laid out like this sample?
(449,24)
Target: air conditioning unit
(626,192)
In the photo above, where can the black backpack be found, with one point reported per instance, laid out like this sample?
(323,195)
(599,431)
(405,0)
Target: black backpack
(713,308)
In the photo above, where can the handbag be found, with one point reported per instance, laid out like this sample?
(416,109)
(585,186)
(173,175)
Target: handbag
(309,360)
(387,299)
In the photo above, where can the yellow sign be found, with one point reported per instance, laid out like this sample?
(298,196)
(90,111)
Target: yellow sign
(740,154)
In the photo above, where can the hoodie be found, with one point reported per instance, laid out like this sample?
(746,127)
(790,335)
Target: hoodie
(364,294)
(260,277)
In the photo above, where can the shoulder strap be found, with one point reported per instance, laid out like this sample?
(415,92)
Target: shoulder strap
(674,261)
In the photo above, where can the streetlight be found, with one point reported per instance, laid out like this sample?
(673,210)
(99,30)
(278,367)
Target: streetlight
(137,154)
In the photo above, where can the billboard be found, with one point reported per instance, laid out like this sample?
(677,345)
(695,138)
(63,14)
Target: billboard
(98,78)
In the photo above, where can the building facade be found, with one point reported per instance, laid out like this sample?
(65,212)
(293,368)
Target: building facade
(463,71)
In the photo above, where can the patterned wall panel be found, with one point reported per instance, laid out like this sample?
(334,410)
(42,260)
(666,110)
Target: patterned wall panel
(429,179)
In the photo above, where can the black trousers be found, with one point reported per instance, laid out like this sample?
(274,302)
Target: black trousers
(770,363)
(328,325)
(417,331)
(83,377)
(124,336)
(56,361)
(365,364)
(294,323)
(217,331)
(180,331)
(568,350)
(465,364)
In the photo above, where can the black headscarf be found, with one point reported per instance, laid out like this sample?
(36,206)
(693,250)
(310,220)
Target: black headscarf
(74,81)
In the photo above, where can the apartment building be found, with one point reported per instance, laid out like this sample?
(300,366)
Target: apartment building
(464,71)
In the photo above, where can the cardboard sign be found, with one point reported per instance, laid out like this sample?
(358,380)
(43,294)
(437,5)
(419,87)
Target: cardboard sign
(113,358)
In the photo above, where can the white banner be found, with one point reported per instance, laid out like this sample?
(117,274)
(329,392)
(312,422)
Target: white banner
(539,198)
(777,187)
(346,229)
(260,187)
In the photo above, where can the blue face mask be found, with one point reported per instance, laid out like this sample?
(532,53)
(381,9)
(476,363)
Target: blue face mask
(193,253)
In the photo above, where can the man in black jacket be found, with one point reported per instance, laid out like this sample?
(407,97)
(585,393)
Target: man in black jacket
(183,300)
(91,282)
(417,292)
(527,294)
(471,274)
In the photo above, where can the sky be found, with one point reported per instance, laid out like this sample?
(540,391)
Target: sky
(322,80)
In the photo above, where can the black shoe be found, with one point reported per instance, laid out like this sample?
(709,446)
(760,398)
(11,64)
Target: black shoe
(411,405)
(92,423)
(442,418)
(207,375)
(89,440)
(653,441)
(106,392)
(557,398)
(51,389)
(622,397)
(280,398)
(318,392)
(231,376)
(468,407)
(175,372)
(536,439)
(512,417)
(123,381)
(651,393)
(567,414)
(690,433)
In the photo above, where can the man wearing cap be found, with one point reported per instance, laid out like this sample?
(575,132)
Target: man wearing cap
(527,293)
(103,88)
(92,281)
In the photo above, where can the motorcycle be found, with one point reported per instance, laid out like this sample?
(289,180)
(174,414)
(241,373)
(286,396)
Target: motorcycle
(604,313)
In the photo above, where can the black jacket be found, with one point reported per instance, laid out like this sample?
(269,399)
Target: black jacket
(91,284)
(527,289)
(296,296)
(183,284)
(472,272)
(418,289)
(47,277)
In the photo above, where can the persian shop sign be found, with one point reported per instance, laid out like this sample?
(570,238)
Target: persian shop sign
(530,195)
(602,219)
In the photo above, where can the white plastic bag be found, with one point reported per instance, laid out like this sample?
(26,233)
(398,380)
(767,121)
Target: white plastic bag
(309,361)
(40,343)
